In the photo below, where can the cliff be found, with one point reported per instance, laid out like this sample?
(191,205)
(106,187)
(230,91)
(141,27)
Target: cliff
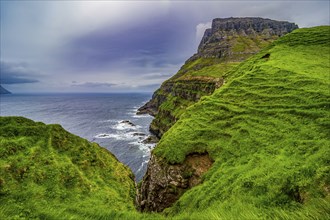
(266,132)
(227,43)
(248,34)
(165,183)
(4,91)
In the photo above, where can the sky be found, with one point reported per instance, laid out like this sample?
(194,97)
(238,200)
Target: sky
(118,46)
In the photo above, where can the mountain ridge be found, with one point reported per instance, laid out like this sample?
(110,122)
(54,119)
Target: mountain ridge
(225,45)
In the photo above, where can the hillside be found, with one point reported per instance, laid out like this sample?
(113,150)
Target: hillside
(266,131)
(256,148)
(225,45)
(48,173)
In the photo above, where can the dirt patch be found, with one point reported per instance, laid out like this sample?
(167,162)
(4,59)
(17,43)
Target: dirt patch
(199,164)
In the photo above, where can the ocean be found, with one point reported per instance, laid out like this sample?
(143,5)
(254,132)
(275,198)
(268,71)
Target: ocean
(107,119)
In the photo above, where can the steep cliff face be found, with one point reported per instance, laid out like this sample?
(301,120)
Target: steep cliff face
(176,97)
(228,42)
(236,38)
(267,130)
(164,183)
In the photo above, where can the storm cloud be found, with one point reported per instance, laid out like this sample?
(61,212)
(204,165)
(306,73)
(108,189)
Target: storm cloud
(118,45)
(16,73)
(93,84)
(154,44)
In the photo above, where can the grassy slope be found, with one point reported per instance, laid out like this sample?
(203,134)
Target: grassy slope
(204,70)
(197,74)
(268,132)
(48,173)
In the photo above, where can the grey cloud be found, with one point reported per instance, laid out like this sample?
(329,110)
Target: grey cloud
(132,42)
(157,75)
(149,87)
(152,44)
(17,73)
(93,84)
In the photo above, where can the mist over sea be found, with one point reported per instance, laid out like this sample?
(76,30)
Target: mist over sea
(95,117)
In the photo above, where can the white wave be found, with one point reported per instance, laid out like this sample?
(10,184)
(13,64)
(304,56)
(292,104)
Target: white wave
(142,164)
(146,148)
(141,116)
(130,136)
(108,120)
(122,125)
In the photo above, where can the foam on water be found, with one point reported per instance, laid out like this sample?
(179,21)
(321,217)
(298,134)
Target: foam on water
(122,125)
(146,148)
(144,163)
(122,135)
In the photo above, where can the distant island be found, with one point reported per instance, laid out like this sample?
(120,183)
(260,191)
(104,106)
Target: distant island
(3,90)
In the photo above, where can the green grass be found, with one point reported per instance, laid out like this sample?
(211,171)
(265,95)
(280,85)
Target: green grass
(249,43)
(204,73)
(268,131)
(213,71)
(194,80)
(48,173)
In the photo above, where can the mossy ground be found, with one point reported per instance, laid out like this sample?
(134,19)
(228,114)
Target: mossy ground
(267,130)
(48,173)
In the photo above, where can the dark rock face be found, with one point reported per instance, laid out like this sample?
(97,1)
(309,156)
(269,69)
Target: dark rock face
(151,107)
(216,40)
(164,183)
(151,140)
(229,40)
(189,90)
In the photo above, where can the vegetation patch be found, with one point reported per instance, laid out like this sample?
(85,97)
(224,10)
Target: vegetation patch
(267,129)
(48,173)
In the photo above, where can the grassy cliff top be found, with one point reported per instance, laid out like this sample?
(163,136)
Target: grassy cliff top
(268,131)
(48,173)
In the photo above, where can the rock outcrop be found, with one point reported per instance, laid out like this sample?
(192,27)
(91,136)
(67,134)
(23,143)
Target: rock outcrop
(228,42)
(164,183)
(217,41)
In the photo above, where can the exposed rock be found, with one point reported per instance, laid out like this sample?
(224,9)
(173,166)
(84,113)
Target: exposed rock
(217,41)
(229,40)
(139,134)
(164,183)
(190,90)
(128,123)
(151,107)
(152,139)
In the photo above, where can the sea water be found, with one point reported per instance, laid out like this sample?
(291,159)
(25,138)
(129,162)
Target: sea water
(100,118)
